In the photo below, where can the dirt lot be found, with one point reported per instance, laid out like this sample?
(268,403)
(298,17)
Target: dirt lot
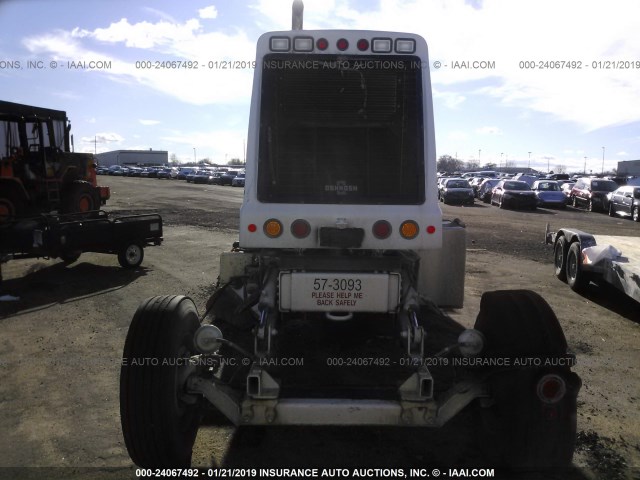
(62,340)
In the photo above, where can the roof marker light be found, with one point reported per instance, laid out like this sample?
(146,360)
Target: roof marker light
(381,45)
(405,45)
(322,44)
(303,44)
(279,44)
(363,44)
(342,44)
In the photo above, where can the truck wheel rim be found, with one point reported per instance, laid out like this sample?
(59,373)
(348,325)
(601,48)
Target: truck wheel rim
(572,266)
(559,257)
(133,254)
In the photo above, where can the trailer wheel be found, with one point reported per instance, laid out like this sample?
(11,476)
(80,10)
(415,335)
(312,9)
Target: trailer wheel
(576,277)
(559,255)
(131,255)
(519,427)
(159,419)
(80,198)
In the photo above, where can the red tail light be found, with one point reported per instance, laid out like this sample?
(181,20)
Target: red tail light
(300,228)
(381,229)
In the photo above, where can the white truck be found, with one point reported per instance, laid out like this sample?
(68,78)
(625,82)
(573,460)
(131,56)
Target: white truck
(326,311)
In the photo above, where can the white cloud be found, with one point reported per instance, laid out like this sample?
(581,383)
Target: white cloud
(489,131)
(508,32)
(149,122)
(450,99)
(208,12)
(622,154)
(209,84)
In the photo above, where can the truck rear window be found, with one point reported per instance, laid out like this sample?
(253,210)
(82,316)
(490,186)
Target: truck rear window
(344,129)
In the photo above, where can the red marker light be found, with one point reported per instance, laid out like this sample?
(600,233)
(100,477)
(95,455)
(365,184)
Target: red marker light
(363,44)
(431,229)
(342,44)
(252,227)
(322,44)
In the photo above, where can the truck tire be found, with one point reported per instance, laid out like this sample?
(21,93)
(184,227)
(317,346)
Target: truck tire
(635,215)
(159,419)
(71,256)
(131,255)
(516,428)
(576,277)
(559,258)
(80,197)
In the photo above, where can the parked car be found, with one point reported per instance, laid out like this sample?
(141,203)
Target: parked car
(164,173)
(216,178)
(485,189)
(134,172)
(202,176)
(566,187)
(515,194)
(457,190)
(238,181)
(592,193)
(626,201)
(184,171)
(475,183)
(227,177)
(549,194)
(116,170)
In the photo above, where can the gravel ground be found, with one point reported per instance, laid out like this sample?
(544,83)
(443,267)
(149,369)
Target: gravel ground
(62,341)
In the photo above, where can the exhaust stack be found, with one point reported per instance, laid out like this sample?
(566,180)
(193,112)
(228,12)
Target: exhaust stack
(296,17)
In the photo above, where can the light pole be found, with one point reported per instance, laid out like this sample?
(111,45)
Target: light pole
(602,160)
(529,161)
(585,165)
(501,154)
(479,157)
(194,155)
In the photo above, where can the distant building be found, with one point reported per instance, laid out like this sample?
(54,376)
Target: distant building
(629,167)
(133,157)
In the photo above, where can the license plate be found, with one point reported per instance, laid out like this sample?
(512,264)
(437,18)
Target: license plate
(339,292)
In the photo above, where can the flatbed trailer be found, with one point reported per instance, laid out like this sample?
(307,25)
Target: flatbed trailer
(68,236)
(581,257)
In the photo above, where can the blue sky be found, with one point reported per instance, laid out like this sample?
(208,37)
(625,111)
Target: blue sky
(499,111)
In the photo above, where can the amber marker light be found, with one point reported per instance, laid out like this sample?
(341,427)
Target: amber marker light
(272,228)
(409,229)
